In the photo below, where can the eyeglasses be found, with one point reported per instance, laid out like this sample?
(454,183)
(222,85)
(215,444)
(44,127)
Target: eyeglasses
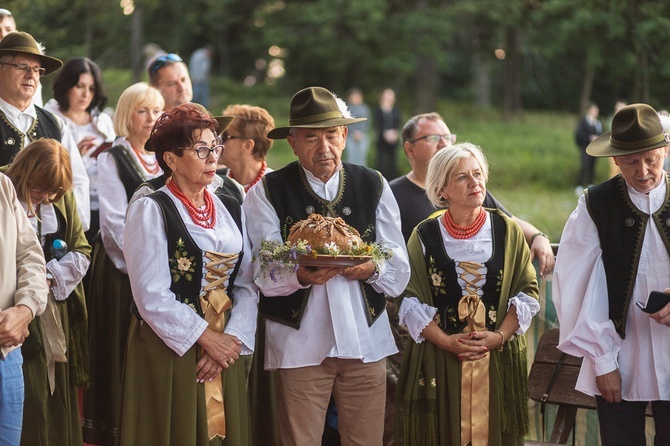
(163,60)
(51,196)
(204,151)
(434,139)
(26,68)
(227,137)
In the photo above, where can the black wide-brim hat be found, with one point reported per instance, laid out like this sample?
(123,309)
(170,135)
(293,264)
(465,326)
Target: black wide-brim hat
(18,42)
(635,128)
(313,108)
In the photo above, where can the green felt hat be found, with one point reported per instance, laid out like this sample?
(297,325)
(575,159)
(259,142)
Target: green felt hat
(18,42)
(313,108)
(635,128)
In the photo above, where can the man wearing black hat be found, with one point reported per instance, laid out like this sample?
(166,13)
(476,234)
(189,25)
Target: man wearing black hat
(614,252)
(22,63)
(327,328)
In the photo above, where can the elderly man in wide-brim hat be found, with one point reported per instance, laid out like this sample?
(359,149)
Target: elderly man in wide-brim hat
(327,329)
(22,63)
(614,251)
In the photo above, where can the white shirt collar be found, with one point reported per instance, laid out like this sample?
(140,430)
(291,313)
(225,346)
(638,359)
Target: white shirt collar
(14,113)
(651,202)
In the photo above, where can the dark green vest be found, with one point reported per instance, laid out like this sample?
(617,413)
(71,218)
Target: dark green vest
(446,290)
(621,229)
(45,126)
(130,173)
(293,199)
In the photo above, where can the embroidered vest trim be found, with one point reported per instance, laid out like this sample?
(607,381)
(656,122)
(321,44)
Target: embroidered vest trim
(13,140)
(621,229)
(130,172)
(293,199)
(446,290)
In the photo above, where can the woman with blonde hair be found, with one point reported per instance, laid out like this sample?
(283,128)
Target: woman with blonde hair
(471,296)
(55,351)
(121,169)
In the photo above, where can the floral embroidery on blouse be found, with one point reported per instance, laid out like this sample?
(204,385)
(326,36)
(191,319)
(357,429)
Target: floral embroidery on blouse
(181,264)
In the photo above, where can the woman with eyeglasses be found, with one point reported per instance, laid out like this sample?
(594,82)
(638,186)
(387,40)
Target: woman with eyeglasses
(54,353)
(79,99)
(471,296)
(121,169)
(194,310)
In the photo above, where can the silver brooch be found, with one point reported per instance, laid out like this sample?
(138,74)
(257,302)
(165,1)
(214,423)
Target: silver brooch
(10,142)
(309,210)
(667,222)
(629,222)
(346,210)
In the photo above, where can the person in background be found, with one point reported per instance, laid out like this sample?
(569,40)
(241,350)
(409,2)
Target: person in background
(358,142)
(344,334)
(614,251)
(79,99)
(246,144)
(169,74)
(8,25)
(423,135)
(23,296)
(387,129)
(199,66)
(588,129)
(121,169)
(22,63)
(54,353)
(195,303)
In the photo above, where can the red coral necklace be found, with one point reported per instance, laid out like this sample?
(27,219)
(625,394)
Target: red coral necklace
(205,218)
(152,168)
(464,232)
(258,178)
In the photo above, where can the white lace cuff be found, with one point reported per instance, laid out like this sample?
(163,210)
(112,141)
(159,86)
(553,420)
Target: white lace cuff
(416,316)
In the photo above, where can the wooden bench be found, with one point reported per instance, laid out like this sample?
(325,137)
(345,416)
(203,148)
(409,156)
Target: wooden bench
(551,383)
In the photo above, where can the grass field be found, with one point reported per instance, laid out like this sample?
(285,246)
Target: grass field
(533,159)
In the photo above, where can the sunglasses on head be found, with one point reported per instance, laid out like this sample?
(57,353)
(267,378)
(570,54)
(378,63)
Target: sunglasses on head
(161,61)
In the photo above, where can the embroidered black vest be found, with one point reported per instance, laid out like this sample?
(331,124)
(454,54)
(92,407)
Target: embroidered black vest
(45,126)
(621,229)
(443,277)
(130,173)
(181,244)
(356,202)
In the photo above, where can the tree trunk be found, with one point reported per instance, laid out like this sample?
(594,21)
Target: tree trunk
(481,68)
(426,85)
(587,87)
(512,104)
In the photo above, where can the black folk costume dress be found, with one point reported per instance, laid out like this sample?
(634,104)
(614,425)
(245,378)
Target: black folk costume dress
(55,351)
(441,400)
(185,278)
(120,173)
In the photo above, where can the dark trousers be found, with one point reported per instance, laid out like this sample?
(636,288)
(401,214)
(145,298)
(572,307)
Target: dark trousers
(622,424)
(586,170)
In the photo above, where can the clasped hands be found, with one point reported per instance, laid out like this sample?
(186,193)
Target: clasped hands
(321,275)
(471,346)
(219,351)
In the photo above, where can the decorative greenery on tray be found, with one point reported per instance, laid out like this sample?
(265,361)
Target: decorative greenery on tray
(277,258)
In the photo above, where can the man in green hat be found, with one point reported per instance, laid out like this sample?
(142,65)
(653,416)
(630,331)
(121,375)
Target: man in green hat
(614,252)
(22,64)
(327,331)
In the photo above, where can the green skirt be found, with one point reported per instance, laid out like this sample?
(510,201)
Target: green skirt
(48,419)
(108,304)
(164,405)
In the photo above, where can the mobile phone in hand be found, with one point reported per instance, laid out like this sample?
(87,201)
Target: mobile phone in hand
(657,300)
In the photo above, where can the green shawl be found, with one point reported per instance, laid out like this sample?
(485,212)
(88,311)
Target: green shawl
(77,348)
(428,392)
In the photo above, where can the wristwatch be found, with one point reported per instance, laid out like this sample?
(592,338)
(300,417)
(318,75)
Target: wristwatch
(374,276)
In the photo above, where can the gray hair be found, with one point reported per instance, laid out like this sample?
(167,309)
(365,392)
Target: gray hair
(444,163)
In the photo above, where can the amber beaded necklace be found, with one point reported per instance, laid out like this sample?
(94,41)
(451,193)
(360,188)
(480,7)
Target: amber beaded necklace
(205,218)
(464,232)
